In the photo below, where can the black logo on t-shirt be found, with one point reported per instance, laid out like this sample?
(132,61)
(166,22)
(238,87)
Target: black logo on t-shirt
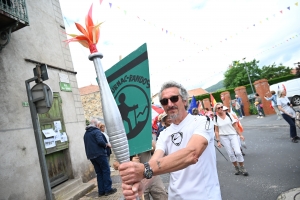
(177,138)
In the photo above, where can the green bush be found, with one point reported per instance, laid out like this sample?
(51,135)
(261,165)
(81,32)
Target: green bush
(253,110)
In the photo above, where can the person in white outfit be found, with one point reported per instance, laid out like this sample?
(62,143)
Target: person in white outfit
(185,149)
(226,130)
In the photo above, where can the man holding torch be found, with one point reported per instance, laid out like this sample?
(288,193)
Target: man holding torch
(185,150)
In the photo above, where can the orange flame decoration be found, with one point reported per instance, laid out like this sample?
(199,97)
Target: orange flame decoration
(91,34)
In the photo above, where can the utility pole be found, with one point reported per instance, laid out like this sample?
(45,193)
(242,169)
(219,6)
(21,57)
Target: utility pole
(248,75)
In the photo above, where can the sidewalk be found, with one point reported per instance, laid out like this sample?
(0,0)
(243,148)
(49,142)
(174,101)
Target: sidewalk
(247,122)
(268,121)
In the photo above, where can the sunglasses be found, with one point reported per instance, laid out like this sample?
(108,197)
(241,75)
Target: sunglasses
(219,107)
(173,99)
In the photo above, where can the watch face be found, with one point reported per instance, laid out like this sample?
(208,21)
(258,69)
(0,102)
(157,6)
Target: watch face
(148,174)
(148,171)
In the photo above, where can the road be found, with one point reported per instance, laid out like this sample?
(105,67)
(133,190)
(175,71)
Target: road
(273,163)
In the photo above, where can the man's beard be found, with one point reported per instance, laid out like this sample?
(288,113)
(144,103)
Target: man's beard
(173,116)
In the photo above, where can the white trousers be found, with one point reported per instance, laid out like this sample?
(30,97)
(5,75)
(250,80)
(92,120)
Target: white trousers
(232,146)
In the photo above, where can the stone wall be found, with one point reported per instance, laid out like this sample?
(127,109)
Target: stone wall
(92,105)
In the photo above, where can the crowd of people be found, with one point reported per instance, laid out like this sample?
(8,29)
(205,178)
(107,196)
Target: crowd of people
(184,146)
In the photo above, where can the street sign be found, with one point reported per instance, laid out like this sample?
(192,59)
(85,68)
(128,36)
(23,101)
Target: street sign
(42,97)
(65,87)
(130,85)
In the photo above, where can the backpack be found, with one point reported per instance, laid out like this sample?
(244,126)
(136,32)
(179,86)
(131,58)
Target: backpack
(226,114)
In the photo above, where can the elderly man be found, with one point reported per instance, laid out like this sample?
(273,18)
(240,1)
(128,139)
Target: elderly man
(96,151)
(185,149)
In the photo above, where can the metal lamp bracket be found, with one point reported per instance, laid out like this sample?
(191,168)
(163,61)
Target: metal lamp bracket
(5,35)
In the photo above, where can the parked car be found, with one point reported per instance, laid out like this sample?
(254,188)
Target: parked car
(292,90)
(251,97)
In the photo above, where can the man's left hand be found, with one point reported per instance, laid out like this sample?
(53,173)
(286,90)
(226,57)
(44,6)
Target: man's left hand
(131,172)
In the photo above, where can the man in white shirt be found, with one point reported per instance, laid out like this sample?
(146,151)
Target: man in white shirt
(185,150)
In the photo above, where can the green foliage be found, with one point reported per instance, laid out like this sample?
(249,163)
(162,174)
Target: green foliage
(87,122)
(237,74)
(253,110)
(271,71)
(298,70)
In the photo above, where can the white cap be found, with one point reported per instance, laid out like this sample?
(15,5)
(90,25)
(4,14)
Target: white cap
(225,108)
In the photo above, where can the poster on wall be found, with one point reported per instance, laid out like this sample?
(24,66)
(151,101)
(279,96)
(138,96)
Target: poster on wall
(57,125)
(49,143)
(49,133)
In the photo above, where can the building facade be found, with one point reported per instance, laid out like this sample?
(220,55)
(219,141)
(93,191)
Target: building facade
(40,40)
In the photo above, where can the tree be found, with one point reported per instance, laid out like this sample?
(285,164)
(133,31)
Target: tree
(237,74)
(298,71)
(271,71)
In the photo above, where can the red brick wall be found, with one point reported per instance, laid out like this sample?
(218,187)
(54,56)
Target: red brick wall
(241,92)
(225,96)
(262,87)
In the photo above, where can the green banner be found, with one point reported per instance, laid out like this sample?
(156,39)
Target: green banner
(130,85)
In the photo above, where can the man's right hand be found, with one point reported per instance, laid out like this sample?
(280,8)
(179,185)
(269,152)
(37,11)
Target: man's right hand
(132,192)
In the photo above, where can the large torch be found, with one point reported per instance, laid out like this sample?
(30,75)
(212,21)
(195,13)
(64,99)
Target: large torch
(112,116)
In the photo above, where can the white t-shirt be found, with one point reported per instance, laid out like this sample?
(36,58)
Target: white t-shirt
(198,181)
(225,125)
(283,101)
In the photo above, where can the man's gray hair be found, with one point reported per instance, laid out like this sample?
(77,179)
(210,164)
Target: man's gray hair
(182,91)
(94,122)
(215,107)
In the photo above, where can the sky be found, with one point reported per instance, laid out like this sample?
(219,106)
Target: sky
(192,42)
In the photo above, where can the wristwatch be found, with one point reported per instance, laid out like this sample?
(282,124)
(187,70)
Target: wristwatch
(148,171)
